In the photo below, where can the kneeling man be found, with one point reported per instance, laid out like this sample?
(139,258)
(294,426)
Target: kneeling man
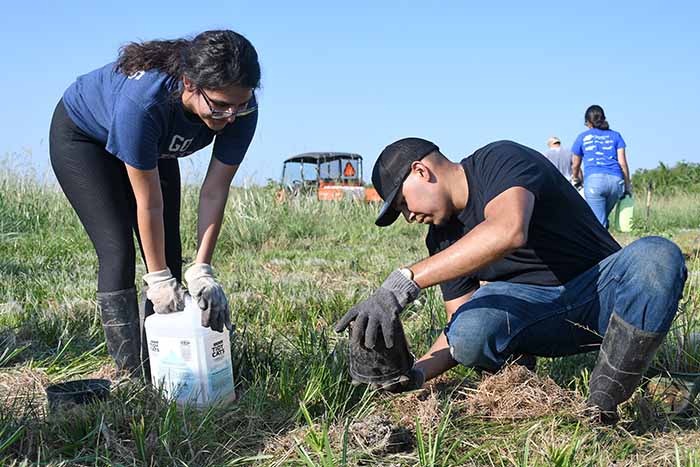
(558,283)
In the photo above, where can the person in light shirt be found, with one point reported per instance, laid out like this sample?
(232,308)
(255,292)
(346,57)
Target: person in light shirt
(559,156)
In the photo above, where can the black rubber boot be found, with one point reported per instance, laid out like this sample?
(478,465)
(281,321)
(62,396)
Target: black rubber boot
(625,355)
(381,366)
(120,321)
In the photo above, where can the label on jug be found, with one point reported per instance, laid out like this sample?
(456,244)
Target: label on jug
(173,365)
(220,377)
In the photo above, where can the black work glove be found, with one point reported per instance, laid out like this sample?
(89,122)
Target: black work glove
(380,310)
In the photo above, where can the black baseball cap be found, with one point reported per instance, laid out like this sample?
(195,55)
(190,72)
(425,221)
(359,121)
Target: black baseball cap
(392,168)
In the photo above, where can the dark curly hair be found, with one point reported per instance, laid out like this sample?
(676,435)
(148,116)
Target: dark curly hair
(596,117)
(212,60)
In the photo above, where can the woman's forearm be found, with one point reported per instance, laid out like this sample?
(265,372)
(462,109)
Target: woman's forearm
(149,215)
(576,167)
(628,181)
(622,160)
(152,235)
(212,203)
(626,174)
(210,218)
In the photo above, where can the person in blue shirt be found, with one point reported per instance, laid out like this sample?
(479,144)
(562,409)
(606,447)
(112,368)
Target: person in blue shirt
(115,139)
(606,176)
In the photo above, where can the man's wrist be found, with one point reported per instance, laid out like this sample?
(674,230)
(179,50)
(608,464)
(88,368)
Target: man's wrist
(405,289)
(407,273)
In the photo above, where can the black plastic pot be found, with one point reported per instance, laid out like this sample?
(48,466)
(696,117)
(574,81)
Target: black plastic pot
(77,392)
(380,365)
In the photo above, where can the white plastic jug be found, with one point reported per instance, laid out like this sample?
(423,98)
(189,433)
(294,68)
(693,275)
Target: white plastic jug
(192,363)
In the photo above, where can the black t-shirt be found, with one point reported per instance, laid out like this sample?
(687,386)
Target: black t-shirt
(564,239)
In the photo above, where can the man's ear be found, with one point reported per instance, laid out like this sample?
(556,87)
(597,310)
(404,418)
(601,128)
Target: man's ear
(420,169)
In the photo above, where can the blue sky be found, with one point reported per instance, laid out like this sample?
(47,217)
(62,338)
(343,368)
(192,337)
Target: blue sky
(358,75)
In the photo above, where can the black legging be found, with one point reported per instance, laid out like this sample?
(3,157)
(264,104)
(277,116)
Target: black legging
(97,186)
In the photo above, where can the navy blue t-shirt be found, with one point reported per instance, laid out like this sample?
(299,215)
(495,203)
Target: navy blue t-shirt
(564,238)
(140,118)
(599,151)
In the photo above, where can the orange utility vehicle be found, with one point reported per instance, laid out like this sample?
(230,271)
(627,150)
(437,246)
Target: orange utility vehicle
(332,175)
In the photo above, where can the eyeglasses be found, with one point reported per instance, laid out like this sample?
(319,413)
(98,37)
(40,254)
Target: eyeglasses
(230,110)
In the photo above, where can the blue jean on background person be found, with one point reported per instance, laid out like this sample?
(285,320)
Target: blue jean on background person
(602,191)
(642,284)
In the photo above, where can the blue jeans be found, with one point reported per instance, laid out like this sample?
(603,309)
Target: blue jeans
(642,284)
(602,191)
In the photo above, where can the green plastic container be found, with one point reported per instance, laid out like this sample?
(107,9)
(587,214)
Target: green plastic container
(624,212)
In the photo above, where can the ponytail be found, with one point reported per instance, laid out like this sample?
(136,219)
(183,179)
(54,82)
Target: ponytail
(165,56)
(212,60)
(596,117)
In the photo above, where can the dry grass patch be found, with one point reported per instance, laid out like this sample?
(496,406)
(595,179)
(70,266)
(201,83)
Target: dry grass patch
(423,406)
(515,393)
(22,389)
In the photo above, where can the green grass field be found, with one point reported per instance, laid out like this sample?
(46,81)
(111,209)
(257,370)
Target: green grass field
(291,270)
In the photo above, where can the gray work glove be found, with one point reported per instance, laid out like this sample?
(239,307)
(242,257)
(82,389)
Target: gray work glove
(210,297)
(166,294)
(380,310)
